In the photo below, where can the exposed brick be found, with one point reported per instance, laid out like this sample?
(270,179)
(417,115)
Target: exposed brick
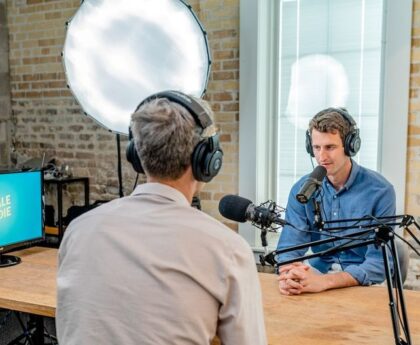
(41,101)
(31,2)
(223,75)
(223,55)
(231,65)
(230,107)
(220,34)
(222,96)
(225,138)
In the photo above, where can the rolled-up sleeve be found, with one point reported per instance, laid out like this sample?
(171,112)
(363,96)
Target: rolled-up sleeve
(292,236)
(372,270)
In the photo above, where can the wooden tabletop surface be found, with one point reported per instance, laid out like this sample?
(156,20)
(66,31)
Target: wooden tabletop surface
(31,285)
(357,315)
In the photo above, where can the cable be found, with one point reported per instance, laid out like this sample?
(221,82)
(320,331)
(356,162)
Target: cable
(399,236)
(135,182)
(353,239)
(407,243)
(338,237)
(326,218)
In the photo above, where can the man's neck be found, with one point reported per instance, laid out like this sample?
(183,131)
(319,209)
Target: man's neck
(186,184)
(339,180)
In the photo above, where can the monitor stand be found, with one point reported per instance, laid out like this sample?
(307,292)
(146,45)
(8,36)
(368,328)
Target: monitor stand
(9,260)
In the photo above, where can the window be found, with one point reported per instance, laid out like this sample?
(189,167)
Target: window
(300,56)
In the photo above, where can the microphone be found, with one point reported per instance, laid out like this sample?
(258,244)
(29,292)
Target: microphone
(311,185)
(239,209)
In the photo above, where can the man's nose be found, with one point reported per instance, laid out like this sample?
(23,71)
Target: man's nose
(323,153)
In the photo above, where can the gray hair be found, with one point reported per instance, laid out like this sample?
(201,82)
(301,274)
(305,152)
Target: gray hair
(165,135)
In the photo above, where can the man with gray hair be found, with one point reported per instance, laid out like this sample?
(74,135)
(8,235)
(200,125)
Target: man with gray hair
(149,268)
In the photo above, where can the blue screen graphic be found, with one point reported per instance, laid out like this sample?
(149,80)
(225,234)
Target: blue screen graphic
(20,207)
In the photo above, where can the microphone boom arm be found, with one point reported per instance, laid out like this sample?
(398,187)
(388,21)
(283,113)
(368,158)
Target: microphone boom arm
(384,234)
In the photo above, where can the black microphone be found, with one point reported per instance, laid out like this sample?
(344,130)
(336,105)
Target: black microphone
(239,209)
(311,185)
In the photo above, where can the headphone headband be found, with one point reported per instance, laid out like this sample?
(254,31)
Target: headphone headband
(345,114)
(196,110)
(352,139)
(207,156)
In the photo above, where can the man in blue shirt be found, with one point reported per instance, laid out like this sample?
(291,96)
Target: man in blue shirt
(348,191)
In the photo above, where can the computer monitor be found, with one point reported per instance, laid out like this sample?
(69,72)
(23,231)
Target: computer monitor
(21,212)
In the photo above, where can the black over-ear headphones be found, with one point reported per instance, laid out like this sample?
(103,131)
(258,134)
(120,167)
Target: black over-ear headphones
(207,157)
(352,140)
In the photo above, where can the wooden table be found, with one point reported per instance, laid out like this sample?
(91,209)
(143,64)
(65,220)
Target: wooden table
(357,315)
(30,286)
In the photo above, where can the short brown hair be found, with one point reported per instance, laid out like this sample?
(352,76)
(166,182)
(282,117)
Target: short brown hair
(330,120)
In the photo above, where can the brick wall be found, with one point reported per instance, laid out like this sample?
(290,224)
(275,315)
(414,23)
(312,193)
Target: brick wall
(5,118)
(48,120)
(46,117)
(413,149)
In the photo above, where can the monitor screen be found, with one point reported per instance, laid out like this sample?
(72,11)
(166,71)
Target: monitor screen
(21,209)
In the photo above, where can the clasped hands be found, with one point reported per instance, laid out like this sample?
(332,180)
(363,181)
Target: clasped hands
(296,278)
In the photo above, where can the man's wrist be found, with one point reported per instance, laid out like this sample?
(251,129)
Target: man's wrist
(339,280)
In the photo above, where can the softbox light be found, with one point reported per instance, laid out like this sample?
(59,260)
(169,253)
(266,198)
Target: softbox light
(116,53)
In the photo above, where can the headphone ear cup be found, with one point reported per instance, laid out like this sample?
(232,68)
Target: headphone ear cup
(133,157)
(308,144)
(213,164)
(197,161)
(205,161)
(352,143)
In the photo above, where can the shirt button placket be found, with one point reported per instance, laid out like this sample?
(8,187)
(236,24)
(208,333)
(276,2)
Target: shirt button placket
(335,207)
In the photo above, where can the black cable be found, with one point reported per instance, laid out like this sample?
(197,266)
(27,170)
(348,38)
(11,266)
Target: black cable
(397,235)
(341,245)
(407,243)
(135,182)
(364,218)
(337,237)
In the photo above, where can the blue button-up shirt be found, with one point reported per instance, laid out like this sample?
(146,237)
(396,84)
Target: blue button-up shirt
(366,192)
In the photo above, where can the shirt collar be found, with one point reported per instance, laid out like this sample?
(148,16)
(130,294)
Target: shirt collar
(162,190)
(355,168)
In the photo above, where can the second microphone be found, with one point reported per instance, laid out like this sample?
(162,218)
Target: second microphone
(239,209)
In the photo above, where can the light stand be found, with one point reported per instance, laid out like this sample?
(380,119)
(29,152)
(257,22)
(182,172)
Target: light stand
(383,235)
